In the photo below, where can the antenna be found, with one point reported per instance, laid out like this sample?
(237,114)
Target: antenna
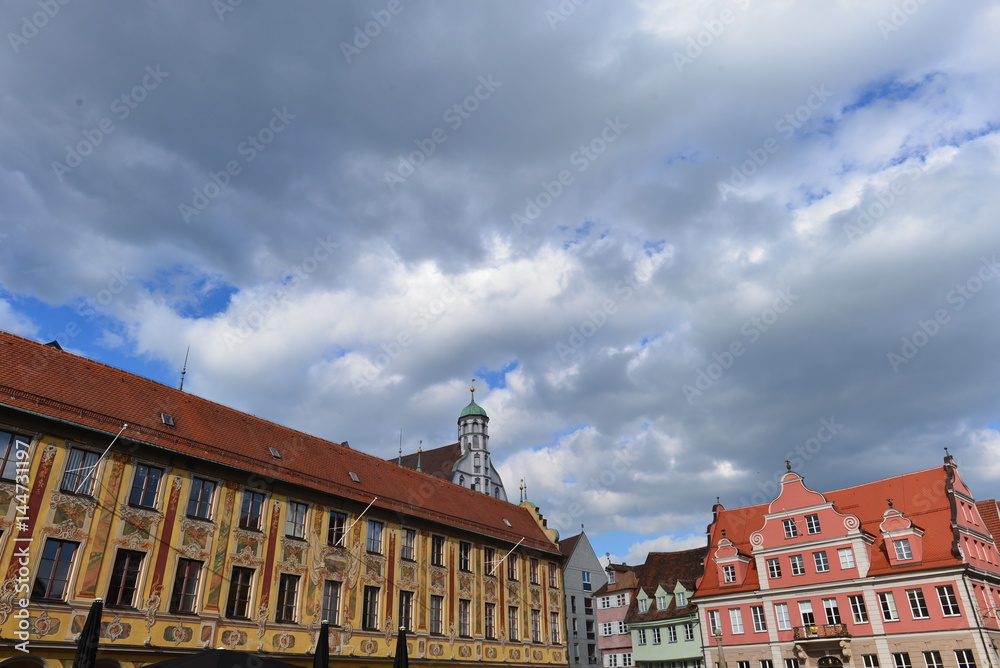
(399,459)
(184,370)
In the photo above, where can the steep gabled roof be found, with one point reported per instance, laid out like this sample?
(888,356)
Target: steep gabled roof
(921,496)
(625,578)
(60,386)
(438,462)
(567,545)
(666,569)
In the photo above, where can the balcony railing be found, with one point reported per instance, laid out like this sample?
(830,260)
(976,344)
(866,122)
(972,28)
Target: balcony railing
(820,631)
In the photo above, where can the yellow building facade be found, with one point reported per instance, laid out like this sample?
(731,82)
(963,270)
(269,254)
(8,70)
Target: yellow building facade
(195,538)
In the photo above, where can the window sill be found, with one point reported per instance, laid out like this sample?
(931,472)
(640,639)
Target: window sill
(199,518)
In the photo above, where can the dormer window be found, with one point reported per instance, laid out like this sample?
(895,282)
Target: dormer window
(791,531)
(643,605)
(661,603)
(611,576)
(681,599)
(729,574)
(902,547)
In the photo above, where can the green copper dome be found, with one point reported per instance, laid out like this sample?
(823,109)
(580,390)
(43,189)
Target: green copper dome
(473,409)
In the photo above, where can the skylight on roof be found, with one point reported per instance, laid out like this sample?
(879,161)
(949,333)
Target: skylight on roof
(275,453)
(506,521)
(354,476)
(167,419)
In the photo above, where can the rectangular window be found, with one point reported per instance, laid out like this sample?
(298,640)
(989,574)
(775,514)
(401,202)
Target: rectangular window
(714,621)
(774,568)
(806,612)
(736,620)
(144,486)
(621,600)
(641,635)
(766,663)
(437,610)
(369,609)
(901,660)
(553,576)
(612,660)
(870,660)
(949,604)
(335,531)
(295,520)
(437,550)
(622,628)
(918,606)
(512,566)
(406,609)
(81,471)
(656,636)
(759,622)
(965,658)
(832,611)
(54,569)
(185,593)
(781,613)
(822,565)
(536,626)
(932,659)
(607,628)
(888,604)
(464,618)
(10,444)
(408,550)
(858,609)
(585,575)
(643,605)
(681,599)
(791,663)
(331,603)
(489,560)
(533,571)
(490,620)
(512,623)
(742,664)
(374,537)
(626,658)
(200,501)
(288,593)
(238,602)
(846,555)
(798,566)
(465,556)
(689,632)
(124,578)
(729,573)
(791,531)
(671,634)
(554,627)
(251,510)
(902,547)
(812,524)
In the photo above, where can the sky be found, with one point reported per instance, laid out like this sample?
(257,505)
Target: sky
(676,243)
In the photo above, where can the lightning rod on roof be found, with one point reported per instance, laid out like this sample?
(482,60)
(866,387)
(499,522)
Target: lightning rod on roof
(184,370)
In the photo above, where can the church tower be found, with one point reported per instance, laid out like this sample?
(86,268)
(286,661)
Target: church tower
(474,468)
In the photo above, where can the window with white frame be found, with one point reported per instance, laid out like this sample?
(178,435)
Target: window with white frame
(859,609)
(949,603)
(656,636)
(821,562)
(766,663)
(611,660)
(295,520)
(604,602)
(661,603)
(832,611)
(791,663)
(918,606)
(759,622)
(643,605)
(791,531)
(806,612)
(671,634)
(888,605)
(965,658)
(774,568)
(714,621)
(736,620)
(901,660)
(621,600)
(585,575)
(932,659)
(902,547)
(729,573)
(641,636)
(781,614)
(622,628)
(846,555)
(607,628)
(798,566)
(681,599)
(81,470)
(812,524)
(870,660)
(627,658)
(689,632)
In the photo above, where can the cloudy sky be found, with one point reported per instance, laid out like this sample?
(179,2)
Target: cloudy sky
(677,242)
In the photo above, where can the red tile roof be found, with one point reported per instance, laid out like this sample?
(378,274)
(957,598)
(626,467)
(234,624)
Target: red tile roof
(567,545)
(991,516)
(67,388)
(920,496)
(666,569)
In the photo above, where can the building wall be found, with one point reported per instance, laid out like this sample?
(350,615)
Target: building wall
(579,587)
(104,527)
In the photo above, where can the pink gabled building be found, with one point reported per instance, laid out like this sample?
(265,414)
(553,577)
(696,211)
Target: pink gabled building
(898,573)
(613,599)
